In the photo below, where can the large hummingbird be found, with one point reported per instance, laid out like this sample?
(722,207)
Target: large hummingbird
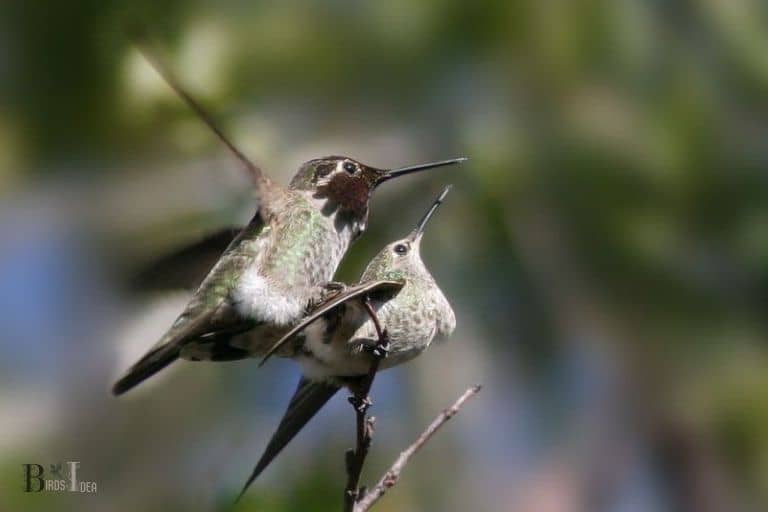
(336,340)
(262,282)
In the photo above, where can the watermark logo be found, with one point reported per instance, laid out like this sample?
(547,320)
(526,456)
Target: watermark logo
(60,477)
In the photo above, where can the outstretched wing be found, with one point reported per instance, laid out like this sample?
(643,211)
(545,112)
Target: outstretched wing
(186,267)
(309,398)
(388,288)
(141,40)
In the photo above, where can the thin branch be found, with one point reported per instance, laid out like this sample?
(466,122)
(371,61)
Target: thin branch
(391,477)
(356,498)
(355,459)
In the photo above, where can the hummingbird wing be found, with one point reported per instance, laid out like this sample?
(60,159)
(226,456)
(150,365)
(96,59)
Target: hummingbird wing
(388,288)
(186,267)
(261,182)
(310,397)
(209,315)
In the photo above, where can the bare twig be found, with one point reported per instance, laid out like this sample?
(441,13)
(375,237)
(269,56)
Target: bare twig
(392,475)
(355,459)
(356,498)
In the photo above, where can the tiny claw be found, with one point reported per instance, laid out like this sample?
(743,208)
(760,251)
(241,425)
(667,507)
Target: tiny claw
(382,348)
(380,351)
(327,290)
(370,426)
(360,404)
(335,286)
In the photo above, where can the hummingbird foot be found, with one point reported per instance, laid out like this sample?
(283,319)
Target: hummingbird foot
(361,405)
(335,286)
(379,350)
(325,292)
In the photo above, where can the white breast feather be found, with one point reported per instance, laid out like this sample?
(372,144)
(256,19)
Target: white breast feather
(259,299)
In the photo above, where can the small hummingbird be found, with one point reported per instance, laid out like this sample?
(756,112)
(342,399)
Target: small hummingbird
(263,281)
(336,340)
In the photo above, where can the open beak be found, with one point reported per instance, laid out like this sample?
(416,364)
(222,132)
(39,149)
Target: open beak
(394,173)
(418,231)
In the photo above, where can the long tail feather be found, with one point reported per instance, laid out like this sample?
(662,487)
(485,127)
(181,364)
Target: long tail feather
(309,398)
(147,367)
(163,354)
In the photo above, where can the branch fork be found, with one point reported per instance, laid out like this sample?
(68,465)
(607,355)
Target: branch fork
(357,498)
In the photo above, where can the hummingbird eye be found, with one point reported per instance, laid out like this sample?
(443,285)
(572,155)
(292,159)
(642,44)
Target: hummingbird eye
(401,249)
(350,167)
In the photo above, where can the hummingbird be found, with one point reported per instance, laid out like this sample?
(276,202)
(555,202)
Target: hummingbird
(263,280)
(336,341)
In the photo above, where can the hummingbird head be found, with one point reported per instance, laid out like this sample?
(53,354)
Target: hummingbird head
(346,185)
(401,259)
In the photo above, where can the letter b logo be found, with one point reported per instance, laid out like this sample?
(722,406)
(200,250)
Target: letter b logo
(30,475)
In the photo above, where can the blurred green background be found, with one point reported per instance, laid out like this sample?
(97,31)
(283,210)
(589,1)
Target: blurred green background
(606,247)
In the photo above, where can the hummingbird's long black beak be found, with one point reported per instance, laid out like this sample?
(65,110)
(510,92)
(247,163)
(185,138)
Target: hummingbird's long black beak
(419,230)
(394,173)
